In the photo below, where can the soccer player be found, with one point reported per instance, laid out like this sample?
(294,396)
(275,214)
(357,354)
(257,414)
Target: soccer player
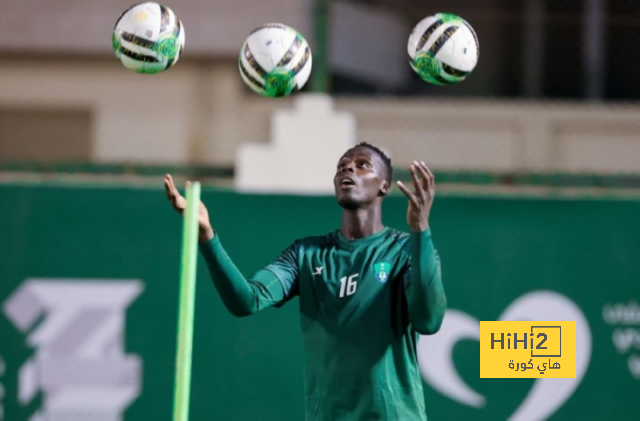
(365,293)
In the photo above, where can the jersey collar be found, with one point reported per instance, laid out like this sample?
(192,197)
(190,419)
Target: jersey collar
(347,243)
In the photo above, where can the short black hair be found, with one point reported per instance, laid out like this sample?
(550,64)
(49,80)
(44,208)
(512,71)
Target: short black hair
(385,159)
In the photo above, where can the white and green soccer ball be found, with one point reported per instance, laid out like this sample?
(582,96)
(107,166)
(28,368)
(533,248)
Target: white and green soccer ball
(148,38)
(275,60)
(443,49)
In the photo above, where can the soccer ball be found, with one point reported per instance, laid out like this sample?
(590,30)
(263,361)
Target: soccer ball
(275,60)
(148,38)
(443,49)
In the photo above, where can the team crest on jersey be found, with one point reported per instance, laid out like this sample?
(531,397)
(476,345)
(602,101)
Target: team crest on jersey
(382,271)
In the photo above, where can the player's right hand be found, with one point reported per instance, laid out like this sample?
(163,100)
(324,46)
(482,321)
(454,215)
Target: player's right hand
(179,203)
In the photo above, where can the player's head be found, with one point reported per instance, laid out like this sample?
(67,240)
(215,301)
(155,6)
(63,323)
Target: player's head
(363,176)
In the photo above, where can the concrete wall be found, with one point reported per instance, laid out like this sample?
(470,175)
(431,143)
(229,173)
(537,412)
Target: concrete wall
(212,27)
(504,135)
(201,113)
(192,113)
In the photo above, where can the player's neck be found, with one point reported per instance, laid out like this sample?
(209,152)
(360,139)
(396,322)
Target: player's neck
(361,223)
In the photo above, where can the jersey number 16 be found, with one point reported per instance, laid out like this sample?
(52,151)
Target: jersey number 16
(348,285)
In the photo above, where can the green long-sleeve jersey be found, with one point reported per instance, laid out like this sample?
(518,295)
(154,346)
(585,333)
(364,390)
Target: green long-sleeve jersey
(363,304)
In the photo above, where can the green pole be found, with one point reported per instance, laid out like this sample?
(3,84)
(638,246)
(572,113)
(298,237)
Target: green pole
(186,304)
(320,71)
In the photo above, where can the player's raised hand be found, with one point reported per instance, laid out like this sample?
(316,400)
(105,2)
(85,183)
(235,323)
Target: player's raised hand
(421,199)
(179,203)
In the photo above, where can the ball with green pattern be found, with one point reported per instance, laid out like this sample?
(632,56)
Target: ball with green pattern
(443,49)
(148,38)
(275,60)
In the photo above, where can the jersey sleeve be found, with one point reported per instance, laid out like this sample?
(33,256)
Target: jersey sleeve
(285,269)
(241,296)
(423,284)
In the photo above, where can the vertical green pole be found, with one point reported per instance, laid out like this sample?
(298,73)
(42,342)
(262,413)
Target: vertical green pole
(186,304)
(320,72)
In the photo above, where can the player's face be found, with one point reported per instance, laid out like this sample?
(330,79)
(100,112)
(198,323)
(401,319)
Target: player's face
(359,178)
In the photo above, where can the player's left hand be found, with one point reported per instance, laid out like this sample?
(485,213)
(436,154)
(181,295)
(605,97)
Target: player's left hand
(421,199)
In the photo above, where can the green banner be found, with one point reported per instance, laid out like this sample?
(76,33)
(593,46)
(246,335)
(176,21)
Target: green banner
(89,282)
